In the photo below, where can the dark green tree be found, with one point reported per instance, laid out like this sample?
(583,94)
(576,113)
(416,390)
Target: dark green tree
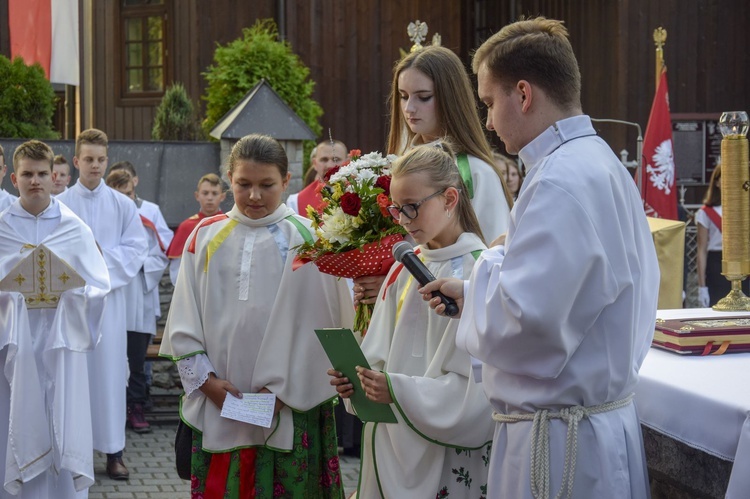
(27,101)
(175,118)
(239,66)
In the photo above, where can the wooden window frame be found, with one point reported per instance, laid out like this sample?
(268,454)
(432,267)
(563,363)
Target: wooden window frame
(123,13)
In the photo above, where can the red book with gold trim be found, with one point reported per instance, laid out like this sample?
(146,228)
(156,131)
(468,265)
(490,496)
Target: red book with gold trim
(703,336)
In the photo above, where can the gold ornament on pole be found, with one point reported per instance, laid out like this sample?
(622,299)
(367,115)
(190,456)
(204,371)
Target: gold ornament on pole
(735,205)
(417,32)
(660,38)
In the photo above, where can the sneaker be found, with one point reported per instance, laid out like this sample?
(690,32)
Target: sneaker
(116,469)
(136,420)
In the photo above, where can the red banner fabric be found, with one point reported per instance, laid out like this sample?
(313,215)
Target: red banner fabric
(30,24)
(658,173)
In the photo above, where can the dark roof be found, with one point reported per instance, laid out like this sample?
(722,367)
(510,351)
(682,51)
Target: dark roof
(262,111)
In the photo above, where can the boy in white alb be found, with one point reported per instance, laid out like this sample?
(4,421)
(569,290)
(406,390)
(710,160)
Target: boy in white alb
(119,233)
(142,309)
(563,314)
(45,415)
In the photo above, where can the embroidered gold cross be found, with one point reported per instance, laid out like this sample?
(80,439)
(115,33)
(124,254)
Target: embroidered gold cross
(64,277)
(20,279)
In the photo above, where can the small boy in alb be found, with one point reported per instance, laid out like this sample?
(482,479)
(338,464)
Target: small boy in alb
(142,308)
(61,174)
(209,195)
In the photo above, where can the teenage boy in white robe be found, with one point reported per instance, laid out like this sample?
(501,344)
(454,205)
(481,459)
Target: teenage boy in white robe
(563,314)
(119,232)
(45,415)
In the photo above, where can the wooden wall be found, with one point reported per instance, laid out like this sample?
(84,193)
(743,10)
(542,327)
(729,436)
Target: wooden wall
(614,45)
(194,26)
(351,47)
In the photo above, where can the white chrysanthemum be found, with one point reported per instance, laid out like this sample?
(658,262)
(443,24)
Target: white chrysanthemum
(365,174)
(337,226)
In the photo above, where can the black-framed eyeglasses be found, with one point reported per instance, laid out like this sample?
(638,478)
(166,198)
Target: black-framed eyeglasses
(411,210)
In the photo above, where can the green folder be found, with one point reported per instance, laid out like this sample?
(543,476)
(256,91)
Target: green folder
(344,353)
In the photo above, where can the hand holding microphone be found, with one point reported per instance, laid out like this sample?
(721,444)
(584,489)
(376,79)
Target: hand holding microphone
(404,253)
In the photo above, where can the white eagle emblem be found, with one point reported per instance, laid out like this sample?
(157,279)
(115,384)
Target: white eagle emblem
(662,175)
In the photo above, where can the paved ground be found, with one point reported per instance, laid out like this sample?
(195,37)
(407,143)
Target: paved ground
(150,459)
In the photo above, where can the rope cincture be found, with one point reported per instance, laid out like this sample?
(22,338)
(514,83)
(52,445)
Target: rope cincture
(540,482)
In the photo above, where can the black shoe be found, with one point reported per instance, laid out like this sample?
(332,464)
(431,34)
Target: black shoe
(116,469)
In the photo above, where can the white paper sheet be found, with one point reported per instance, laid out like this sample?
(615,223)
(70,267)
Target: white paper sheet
(253,408)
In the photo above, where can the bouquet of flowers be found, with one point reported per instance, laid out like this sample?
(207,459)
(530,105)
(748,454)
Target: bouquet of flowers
(355,232)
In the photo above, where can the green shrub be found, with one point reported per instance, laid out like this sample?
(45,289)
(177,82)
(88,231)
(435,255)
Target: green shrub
(27,101)
(175,119)
(240,65)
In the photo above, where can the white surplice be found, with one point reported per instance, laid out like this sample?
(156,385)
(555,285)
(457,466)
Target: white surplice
(142,292)
(44,393)
(563,315)
(489,201)
(153,212)
(151,268)
(6,199)
(239,302)
(441,442)
(119,232)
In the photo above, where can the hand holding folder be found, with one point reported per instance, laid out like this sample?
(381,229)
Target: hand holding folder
(345,355)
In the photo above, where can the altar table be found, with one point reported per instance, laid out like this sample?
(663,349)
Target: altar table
(703,402)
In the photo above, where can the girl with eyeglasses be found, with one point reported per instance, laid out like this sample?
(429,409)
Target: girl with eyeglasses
(440,446)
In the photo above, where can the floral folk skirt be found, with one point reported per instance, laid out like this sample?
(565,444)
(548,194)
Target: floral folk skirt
(310,470)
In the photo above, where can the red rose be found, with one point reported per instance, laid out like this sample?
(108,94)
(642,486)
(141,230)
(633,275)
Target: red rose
(350,203)
(355,154)
(384,182)
(333,464)
(305,442)
(327,175)
(278,490)
(383,203)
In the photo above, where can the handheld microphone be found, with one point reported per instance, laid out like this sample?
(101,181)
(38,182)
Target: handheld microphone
(404,253)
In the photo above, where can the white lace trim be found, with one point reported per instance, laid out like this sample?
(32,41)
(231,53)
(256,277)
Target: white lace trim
(194,372)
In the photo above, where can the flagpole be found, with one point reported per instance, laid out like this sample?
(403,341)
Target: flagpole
(660,38)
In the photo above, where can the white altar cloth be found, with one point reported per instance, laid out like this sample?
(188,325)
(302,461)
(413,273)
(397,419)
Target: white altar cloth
(703,402)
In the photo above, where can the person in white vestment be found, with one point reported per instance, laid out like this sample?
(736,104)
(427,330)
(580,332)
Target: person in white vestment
(6,198)
(241,322)
(61,174)
(155,225)
(563,314)
(432,99)
(122,239)
(45,416)
(142,308)
(440,446)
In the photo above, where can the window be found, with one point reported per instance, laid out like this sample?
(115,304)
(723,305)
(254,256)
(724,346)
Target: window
(143,28)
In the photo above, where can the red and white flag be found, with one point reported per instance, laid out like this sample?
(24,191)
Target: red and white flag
(46,31)
(658,174)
